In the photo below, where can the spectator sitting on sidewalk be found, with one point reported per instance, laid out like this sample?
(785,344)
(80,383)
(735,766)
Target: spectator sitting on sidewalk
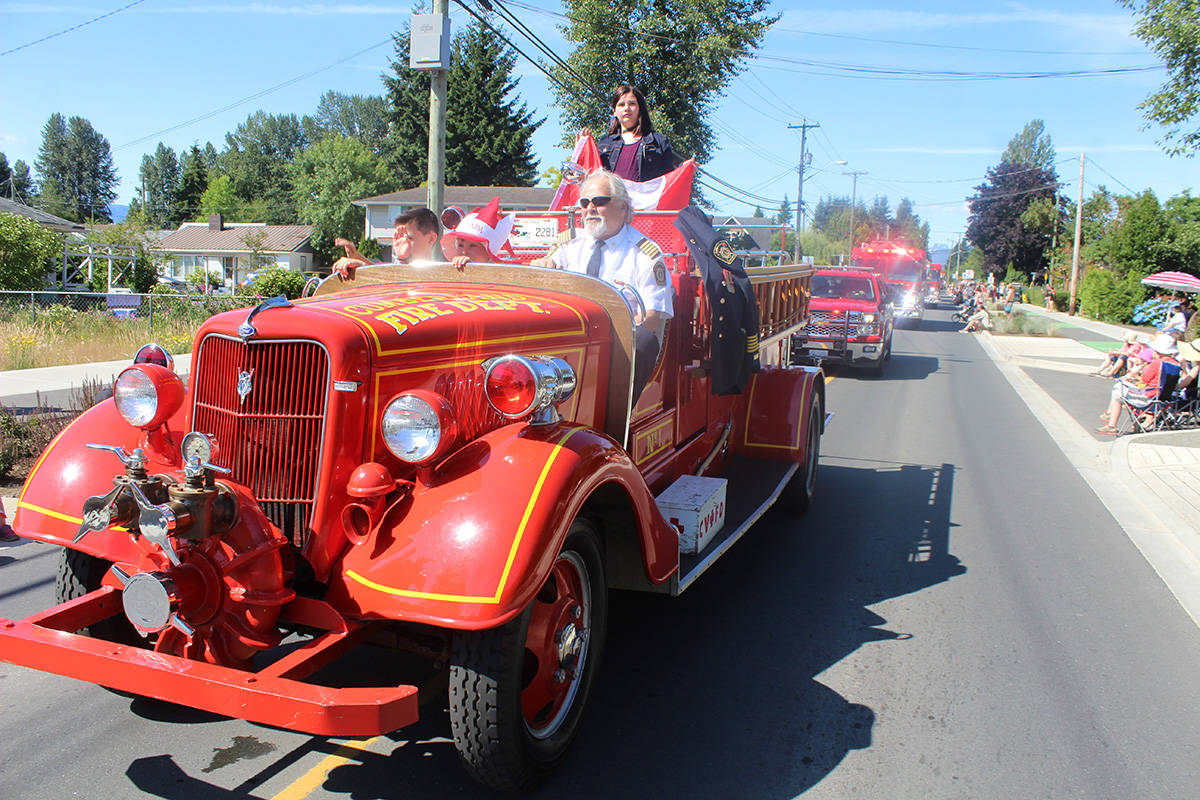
(1142,392)
(979,321)
(1176,321)
(1115,363)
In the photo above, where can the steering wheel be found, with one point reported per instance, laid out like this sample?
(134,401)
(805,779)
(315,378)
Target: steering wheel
(634,300)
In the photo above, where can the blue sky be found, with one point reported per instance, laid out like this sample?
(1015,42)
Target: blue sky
(143,72)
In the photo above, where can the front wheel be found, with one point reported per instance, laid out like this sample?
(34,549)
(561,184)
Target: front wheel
(517,692)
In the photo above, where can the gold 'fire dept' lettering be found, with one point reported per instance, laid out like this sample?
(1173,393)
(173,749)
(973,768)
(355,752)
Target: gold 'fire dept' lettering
(401,313)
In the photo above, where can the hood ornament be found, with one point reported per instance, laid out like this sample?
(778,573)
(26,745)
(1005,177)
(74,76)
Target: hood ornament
(244,385)
(246,329)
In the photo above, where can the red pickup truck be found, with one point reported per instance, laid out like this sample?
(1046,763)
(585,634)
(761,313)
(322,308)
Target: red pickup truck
(850,320)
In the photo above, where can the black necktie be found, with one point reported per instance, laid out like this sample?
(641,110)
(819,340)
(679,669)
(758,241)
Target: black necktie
(593,268)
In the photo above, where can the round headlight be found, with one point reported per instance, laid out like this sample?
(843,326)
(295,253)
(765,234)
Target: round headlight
(146,395)
(417,427)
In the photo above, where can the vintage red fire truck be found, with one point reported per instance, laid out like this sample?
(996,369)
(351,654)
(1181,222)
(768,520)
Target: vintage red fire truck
(849,320)
(448,462)
(902,269)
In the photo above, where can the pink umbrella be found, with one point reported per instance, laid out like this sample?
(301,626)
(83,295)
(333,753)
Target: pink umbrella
(1175,281)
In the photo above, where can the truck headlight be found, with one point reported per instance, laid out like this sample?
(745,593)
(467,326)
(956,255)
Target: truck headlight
(146,395)
(868,318)
(418,427)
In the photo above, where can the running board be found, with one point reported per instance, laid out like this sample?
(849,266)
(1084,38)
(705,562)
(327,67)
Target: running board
(754,486)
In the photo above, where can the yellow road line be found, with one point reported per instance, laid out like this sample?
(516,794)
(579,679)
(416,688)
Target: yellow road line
(310,781)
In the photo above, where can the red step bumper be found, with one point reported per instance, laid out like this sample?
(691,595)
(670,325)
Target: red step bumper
(275,695)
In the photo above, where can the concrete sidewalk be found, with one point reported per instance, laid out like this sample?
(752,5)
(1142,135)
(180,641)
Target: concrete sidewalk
(22,388)
(1149,482)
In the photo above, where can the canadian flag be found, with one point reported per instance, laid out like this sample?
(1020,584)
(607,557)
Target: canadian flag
(669,192)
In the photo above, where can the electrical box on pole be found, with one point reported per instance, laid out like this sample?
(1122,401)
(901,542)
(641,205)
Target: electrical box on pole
(429,41)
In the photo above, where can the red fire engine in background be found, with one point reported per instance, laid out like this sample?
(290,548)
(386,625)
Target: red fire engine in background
(902,268)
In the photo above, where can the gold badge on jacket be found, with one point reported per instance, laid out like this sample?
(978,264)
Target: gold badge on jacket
(723,252)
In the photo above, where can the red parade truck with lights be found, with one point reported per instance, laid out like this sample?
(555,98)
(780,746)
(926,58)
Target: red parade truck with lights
(850,320)
(902,268)
(449,463)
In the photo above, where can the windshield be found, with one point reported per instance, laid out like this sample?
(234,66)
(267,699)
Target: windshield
(842,286)
(891,267)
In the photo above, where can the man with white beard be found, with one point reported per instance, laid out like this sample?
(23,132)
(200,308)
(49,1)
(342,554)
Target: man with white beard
(613,250)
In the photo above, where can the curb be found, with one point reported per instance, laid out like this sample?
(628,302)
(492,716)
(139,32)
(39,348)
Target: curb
(1106,469)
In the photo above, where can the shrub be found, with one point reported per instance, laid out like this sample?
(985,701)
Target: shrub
(1105,297)
(25,252)
(279,281)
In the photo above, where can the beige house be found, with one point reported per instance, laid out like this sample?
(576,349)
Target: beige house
(383,209)
(228,247)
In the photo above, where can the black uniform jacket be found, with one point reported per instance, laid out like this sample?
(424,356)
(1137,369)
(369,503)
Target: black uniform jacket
(731,298)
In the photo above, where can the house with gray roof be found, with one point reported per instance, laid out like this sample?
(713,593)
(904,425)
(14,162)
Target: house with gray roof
(383,209)
(41,217)
(228,248)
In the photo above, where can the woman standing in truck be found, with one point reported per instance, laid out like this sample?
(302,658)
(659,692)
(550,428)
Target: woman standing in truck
(632,148)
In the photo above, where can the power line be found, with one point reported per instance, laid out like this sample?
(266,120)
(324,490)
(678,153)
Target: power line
(858,70)
(248,98)
(1092,161)
(72,28)
(960,47)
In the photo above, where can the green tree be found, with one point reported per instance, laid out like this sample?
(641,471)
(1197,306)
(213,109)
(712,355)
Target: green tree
(26,250)
(159,176)
(219,198)
(1171,29)
(75,170)
(488,130)
(21,188)
(1031,147)
(193,180)
(784,215)
(257,156)
(279,281)
(681,53)
(996,222)
(327,177)
(357,116)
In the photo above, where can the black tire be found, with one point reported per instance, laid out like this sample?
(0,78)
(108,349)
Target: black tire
(494,674)
(80,573)
(798,495)
(887,349)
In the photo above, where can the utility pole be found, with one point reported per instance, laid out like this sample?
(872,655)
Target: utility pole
(853,198)
(1078,232)
(805,157)
(436,173)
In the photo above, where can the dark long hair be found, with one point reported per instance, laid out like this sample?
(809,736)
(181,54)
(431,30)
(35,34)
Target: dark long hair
(644,126)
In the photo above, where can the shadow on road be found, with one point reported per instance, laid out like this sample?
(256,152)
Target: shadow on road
(901,367)
(713,694)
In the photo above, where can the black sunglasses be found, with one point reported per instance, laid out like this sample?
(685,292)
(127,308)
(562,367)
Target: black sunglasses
(598,201)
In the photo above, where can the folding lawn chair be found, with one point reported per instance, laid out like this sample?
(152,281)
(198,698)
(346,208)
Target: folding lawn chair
(1152,416)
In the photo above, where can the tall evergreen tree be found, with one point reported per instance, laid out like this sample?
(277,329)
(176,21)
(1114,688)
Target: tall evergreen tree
(75,169)
(22,188)
(257,156)
(488,129)
(362,117)
(159,176)
(193,180)
(1031,147)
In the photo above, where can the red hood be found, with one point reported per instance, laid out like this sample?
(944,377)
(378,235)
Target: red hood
(842,304)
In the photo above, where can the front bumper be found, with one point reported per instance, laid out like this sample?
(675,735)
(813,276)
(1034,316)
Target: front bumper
(839,351)
(274,695)
(909,312)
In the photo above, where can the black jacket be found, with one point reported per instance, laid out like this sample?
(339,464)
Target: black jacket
(655,156)
(734,340)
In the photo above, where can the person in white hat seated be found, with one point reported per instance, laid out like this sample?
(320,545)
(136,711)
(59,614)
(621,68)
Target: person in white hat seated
(612,250)
(480,236)
(1140,393)
(413,238)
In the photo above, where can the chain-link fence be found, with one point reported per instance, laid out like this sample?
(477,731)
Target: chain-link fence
(51,327)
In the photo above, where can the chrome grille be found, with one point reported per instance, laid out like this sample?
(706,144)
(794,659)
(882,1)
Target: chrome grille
(271,437)
(826,324)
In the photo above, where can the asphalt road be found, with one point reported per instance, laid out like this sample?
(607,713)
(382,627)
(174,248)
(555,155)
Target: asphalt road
(956,617)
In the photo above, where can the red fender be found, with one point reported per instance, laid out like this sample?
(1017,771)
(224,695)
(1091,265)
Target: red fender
(772,414)
(472,544)
(50,506)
